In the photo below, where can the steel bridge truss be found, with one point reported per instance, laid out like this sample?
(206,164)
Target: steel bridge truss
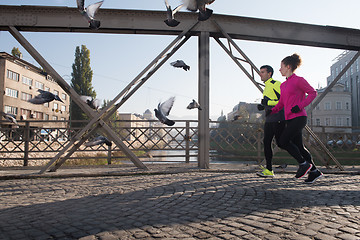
(220,26)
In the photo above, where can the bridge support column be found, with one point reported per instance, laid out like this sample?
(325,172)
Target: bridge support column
(203,127)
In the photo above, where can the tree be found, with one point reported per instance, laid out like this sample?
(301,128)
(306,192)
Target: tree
(113,116)
(81,81)
(16,52)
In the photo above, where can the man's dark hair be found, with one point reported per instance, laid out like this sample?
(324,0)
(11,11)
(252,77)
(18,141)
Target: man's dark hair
(269,69)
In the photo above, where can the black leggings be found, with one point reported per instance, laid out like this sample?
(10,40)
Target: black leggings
(271,129)
(291,140)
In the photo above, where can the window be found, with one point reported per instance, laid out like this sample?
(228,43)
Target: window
(12,93)
(39,85)
(47,89)
(46,104)
(54,118)
(338,121)
(317,107)
(347,122)
(26,113)
(11,109)
(338,105)
(12,75)
(62,119)
(351,70)
(357,65)
(56,92)
(27,81)
(63,96)
(346,85)
(56,106)
(327,106)
(63,108)
(46,116)
(25,96)
(39,115)
(347,106)
(336,72)
(327,122)
(317,122)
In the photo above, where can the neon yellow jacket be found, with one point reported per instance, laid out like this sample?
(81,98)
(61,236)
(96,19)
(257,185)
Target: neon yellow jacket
(272,91)
(272,94)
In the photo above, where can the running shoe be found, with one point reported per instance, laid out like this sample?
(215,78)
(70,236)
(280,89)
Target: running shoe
(303,169)
(313,176)
(265,172)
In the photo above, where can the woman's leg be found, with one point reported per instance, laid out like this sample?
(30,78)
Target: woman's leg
(298,141)
(292,129)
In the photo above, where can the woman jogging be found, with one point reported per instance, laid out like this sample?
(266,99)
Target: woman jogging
(294,100)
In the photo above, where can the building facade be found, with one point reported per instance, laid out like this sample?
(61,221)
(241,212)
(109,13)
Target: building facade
(333,111)
(351,82)
(19,82)
(246,112)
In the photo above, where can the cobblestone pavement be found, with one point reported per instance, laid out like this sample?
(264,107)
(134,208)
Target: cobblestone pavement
(187,205)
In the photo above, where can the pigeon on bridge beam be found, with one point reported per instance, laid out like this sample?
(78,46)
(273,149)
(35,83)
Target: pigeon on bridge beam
(44,97)
(194,5)
(171,21)
(94,103)
(89,12)
(163,111)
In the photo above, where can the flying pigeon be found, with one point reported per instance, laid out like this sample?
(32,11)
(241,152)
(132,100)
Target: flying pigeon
(89,12)
(10,117)
(194,104)
(44,97)
(180,64)
(97,141)
(171,21)
(94,103)
(194,5)
(163,110)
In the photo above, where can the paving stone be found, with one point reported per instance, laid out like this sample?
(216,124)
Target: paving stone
(347,236)
(185,205)
(349,230)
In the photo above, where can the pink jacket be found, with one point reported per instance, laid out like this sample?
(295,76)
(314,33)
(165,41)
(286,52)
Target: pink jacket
(293,92)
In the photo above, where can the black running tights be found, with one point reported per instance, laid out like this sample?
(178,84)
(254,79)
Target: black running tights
(291,140)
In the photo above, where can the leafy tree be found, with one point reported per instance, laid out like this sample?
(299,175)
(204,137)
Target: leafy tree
(114,116)
(81,80)
(16,52)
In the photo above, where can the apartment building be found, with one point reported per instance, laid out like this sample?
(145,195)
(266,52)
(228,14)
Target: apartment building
(351,81)
(20,81)
(334,110)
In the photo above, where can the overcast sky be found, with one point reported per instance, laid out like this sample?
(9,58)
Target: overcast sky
(118,59)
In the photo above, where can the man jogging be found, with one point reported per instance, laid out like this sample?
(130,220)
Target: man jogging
(274,124)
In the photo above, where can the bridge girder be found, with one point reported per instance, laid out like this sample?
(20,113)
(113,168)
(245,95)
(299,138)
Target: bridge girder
(64,19)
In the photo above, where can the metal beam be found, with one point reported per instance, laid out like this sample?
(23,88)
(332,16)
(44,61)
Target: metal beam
(64,19)
(130,89)
(75,97)
(204,86)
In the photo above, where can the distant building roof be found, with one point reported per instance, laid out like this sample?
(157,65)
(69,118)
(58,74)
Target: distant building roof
(20,61)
